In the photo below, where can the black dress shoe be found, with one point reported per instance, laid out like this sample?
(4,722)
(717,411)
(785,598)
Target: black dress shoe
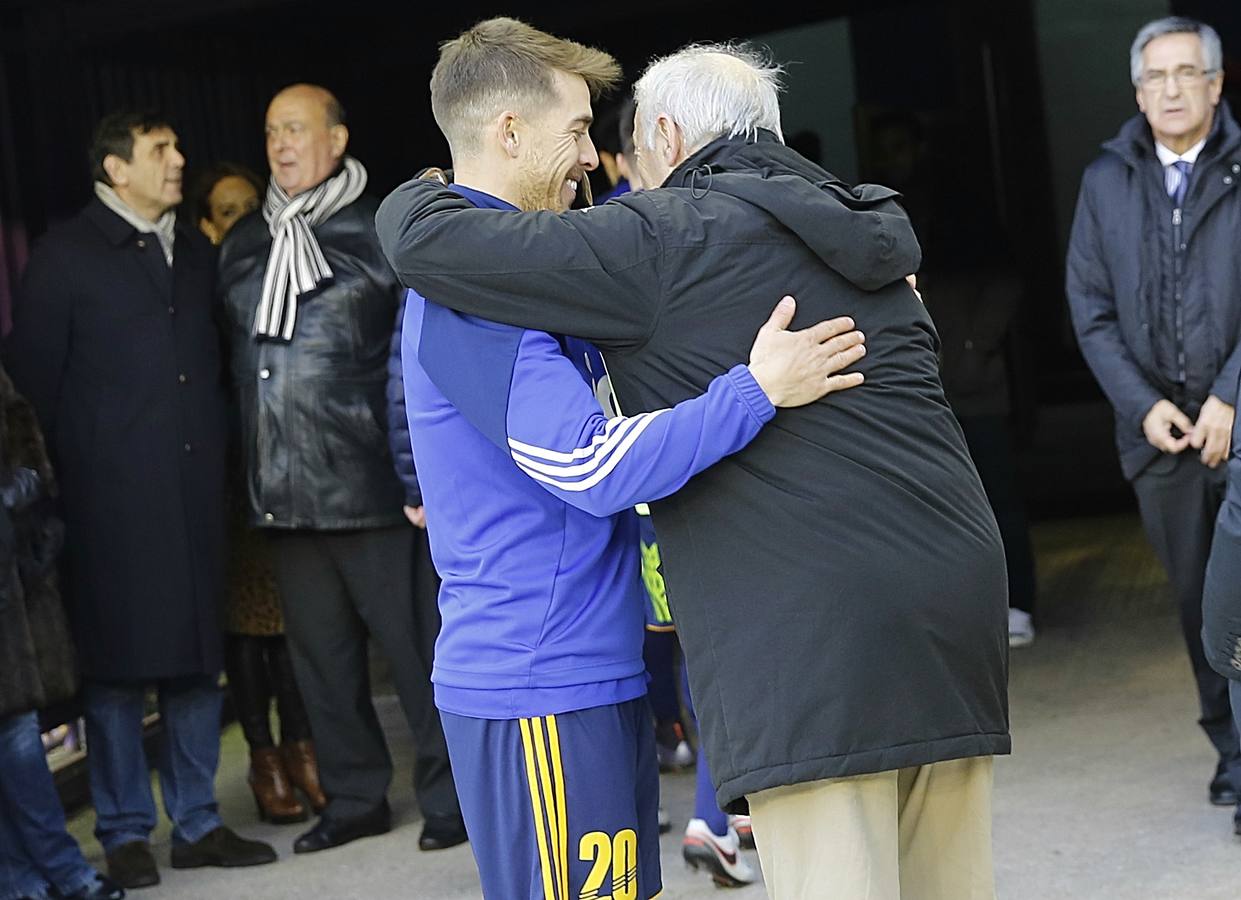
(132,865)
(1221,791)
(1236,822)
(332,832)
(439,834)
(222,847)
(104,888)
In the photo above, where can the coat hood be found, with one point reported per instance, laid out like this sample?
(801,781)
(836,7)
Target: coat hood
(859,232)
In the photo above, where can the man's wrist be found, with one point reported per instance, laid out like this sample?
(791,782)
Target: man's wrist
(751,390)
(765,383)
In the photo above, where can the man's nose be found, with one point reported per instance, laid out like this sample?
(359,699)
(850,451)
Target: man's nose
(589,157)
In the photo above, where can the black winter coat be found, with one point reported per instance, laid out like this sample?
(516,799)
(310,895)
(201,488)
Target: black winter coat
(119,355)
(38,669)
(313,411)
(847,560)
(1120,280)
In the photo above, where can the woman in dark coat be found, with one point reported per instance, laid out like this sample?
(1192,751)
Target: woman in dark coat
(37,855)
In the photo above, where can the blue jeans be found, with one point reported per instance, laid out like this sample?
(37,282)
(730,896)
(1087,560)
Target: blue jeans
(189,753)
(36,852)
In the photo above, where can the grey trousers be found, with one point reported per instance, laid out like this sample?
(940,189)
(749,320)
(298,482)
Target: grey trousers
(1179,499)
(337,590)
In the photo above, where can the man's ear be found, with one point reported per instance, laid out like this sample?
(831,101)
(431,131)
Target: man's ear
(508,133)
(116,170)
(671,141)
(340,140)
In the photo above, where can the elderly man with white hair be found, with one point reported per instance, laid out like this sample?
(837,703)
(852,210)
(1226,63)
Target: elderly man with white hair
(848,553)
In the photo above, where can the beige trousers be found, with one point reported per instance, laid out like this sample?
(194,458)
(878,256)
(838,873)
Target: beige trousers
(912,834)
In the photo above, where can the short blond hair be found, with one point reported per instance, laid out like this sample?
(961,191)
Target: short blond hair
(502,63)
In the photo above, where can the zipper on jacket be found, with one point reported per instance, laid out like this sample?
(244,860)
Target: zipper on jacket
(1178,265)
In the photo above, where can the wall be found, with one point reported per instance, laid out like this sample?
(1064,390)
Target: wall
(820,92)
(1083,48)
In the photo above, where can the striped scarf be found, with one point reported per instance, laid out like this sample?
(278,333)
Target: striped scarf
(296,264)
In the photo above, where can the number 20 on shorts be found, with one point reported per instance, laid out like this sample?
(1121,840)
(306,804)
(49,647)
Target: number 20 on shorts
(617,854)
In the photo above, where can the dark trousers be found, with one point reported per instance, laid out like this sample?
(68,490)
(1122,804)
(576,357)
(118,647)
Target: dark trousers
(259,668)
(338,589)
(1179,499)
(659,652)
(991,447)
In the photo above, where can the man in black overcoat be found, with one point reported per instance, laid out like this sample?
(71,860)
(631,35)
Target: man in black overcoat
(115,346)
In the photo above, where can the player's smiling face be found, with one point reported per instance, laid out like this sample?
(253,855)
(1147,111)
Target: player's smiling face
(557,151)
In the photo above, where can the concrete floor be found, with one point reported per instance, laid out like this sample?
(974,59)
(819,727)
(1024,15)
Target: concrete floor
(1104,796)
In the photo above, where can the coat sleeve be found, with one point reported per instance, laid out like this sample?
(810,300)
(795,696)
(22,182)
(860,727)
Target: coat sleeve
(1226,382)
(398,424)
(1221,614)
(561,273)
(557,433)
(1092,304)
(37,349)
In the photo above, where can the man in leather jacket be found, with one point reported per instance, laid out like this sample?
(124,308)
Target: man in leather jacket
(309,302)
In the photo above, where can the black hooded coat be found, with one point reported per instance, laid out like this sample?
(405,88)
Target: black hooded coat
(839,584)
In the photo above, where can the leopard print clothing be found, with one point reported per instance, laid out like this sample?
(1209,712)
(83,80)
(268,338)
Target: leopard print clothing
(253,603)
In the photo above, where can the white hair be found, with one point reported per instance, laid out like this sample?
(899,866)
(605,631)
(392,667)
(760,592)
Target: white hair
(1212,49)
(710,91)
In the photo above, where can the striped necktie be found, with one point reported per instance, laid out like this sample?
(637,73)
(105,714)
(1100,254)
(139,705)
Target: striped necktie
(1177,181)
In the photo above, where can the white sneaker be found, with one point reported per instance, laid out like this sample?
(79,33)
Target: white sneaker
(721,856)
(1020,628)
(741,825)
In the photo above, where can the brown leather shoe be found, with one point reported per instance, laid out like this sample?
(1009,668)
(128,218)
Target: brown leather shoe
(273,793)
(303,768)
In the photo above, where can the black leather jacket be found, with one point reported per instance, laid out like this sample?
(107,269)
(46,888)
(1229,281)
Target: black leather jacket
(312,411)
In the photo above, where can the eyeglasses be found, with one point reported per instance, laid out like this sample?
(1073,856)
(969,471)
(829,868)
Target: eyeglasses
(1186,76)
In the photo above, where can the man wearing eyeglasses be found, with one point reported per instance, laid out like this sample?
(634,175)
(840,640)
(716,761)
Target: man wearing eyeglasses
(1154,285)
